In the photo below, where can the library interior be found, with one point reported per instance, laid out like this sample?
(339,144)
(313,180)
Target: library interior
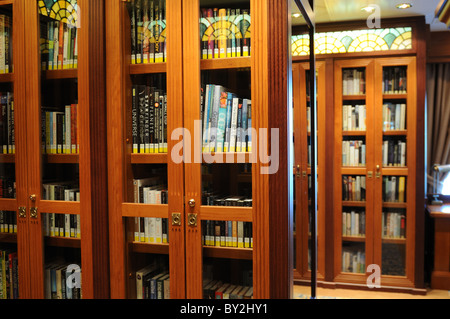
(224,149)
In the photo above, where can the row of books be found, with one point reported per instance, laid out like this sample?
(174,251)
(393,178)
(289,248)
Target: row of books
(8,222)
(149,120)
(394,80)
(5,44)
(353,261)
(394,152)
(60,134)
(393,225)
(217,289)
(7,187)
(148,36)
(353,223)
(353,82)
(7,137)
(60,49)
(214,199)
(152,282)
(9,274)
(353,153)
(227,234)
(60,282)
(394,116)
(225,32)
(153,230)
(226,119)
(394,189)
(354,188)
(61,225)
(354,117)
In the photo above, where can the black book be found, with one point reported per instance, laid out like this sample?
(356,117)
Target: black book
(141,108)
(134,120)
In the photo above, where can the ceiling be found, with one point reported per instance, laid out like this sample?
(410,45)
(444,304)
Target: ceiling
(345,10)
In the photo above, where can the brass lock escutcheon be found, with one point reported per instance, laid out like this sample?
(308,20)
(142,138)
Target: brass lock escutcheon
(369,174)
(378,173)
(34,212)
(22,212)
(176,219)
(192,220)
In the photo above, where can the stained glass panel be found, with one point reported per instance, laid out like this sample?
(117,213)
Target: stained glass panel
(354,41)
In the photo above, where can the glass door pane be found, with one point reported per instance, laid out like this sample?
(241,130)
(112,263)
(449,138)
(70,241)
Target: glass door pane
(60,148)
(9,241)
(226,169)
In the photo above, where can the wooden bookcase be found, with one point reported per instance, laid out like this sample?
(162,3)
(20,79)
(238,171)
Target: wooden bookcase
(375,212)
(185,74)
(35,88)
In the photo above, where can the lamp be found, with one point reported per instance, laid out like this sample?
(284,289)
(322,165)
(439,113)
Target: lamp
(437,169)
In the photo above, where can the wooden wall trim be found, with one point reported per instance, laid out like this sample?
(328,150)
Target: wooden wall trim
(93,163)
(438,47)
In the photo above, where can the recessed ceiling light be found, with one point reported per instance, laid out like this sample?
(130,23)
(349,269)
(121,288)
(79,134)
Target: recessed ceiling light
(296,15)
(403,5)
(368,9)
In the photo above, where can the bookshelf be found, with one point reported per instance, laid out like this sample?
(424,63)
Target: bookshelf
(374,184)
(190,256)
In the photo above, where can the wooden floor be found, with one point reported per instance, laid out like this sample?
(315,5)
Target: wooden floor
(305,292)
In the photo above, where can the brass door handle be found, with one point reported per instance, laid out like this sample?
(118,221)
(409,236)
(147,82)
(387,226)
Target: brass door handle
(33,198)
(191,203)
(378,173)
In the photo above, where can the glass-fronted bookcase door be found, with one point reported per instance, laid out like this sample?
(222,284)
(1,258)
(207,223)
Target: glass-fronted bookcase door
(302,170)
(65,195)
(144,84)
(219,174)
(13,155)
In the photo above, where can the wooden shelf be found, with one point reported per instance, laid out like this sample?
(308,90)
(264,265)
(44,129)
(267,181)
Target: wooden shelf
(145,210)
(147,248)
(61,158)
(395,132)
(8,204)
(353,133)
(226,63)
(7,158)
(394,205)
(394,170)
(63,242)
(59,207)
(354,238)
(400,241)
(401,96)
(231,158)
(228,252)
(225,213)
(355,97)
(354,203)
(60,74)
(148,68)
(8,238)
(7,78)
(149,158)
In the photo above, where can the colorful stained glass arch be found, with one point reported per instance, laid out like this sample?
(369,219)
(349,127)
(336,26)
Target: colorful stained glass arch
(354,41)
(62,10)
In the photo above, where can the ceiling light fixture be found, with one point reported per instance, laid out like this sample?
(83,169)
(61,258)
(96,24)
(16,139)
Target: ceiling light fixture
(296,15)
(403,6)
(368,9)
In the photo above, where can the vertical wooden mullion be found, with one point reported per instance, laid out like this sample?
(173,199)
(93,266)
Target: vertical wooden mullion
(191,89)
(93,163)
(175,170)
